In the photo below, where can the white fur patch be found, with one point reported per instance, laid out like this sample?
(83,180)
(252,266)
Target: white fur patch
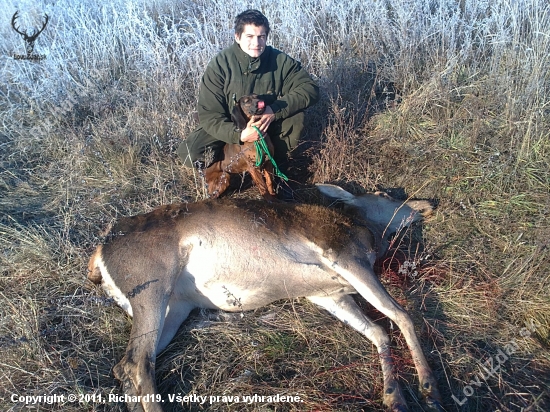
(111,289)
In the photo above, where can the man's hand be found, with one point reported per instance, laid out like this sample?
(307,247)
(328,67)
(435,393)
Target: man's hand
(262,122)
(265,119)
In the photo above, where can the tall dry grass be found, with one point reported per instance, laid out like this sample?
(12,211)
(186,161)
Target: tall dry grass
(443,100)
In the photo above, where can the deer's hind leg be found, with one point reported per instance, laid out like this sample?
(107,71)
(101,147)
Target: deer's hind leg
(136,370)
(178,311)
(344,308)
(149,301)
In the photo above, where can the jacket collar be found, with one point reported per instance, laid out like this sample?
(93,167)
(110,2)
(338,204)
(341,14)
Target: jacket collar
(247,63)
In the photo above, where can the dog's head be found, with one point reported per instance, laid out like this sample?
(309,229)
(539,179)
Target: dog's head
(246,107)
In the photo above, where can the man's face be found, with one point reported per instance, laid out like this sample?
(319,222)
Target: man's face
(252,40)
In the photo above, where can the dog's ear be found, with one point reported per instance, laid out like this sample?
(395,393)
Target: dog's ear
(238,118)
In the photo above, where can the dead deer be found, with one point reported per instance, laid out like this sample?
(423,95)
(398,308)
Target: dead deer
(161,265)
(240,158)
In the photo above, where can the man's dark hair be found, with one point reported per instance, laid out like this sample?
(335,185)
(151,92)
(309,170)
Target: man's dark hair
(250,16)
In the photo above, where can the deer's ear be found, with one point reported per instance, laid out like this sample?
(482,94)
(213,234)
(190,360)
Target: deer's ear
(335,192)
(238,118)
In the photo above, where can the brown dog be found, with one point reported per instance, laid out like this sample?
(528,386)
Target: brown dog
(240,158)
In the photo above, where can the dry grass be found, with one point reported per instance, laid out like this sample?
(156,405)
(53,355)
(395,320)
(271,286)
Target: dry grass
(90,133)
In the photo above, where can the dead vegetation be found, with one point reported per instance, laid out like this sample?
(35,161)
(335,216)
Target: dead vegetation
(84,143)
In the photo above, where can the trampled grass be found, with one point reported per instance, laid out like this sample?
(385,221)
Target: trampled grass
(439,100)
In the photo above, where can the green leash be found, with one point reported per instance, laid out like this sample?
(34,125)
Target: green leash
(261,149)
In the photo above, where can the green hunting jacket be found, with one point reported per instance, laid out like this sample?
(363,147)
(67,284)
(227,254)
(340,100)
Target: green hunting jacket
(276,77)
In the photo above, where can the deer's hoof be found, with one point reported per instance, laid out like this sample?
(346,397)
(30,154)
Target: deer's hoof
(431,395)
(399,407)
